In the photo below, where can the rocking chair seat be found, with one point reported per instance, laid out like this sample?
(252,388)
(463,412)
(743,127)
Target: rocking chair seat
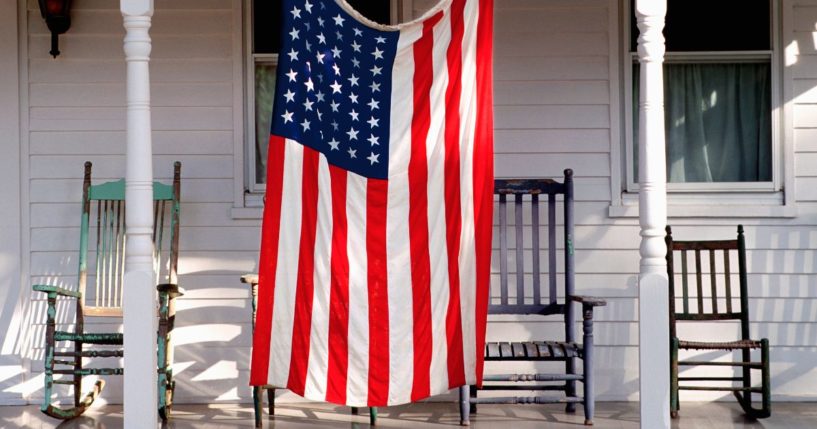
(729,345)
(532,350)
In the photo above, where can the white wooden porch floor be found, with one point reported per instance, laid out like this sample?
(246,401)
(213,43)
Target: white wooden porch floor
(609,415)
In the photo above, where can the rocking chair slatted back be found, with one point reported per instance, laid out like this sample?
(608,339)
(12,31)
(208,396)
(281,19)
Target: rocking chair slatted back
(692,256)
(530,300)
(102,241)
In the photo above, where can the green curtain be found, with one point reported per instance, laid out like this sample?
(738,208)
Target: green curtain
(717,121)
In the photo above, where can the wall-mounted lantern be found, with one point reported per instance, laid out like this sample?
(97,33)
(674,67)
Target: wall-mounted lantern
(55,13)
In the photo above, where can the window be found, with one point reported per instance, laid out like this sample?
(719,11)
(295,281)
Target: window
(263,40)
(719,95)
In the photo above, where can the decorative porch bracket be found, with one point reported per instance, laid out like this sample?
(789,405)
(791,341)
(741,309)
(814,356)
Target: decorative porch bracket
(653,307)
(139,295)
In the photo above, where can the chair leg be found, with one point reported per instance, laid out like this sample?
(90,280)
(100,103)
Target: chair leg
(77,378)
(570,385)
(465,405)
(271,401)
(473,391)
(165,393)
(257,392)
(673,369)
(767,379)
(589,390)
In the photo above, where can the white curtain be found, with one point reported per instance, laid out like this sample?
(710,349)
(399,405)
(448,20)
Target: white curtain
(718,122)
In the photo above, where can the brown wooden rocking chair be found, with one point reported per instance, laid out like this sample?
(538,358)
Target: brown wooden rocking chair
(99,294)
(695,307)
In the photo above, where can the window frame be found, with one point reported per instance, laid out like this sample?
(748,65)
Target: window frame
(254,190)
(714,188)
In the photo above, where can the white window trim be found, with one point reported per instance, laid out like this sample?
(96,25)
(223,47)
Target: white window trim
(249,194)
(756,199)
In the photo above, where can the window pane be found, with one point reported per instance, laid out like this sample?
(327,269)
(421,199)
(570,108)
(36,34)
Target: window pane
(714,25)
(717,121)
(264,93)
(266,24)
(376,10)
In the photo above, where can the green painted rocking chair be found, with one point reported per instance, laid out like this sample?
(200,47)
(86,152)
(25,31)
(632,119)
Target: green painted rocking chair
(99,294)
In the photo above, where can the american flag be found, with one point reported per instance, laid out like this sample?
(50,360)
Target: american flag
(376,242)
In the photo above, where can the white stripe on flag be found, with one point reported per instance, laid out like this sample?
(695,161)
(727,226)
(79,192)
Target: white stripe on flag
(467,260)
(319,336)
(401,317)
(435,156)
(287,271)
(357,388)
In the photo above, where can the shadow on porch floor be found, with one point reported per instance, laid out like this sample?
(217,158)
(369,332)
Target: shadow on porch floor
(609,415)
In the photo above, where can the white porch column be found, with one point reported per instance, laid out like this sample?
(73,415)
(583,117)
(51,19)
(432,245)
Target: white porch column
(653,306)
(140,303)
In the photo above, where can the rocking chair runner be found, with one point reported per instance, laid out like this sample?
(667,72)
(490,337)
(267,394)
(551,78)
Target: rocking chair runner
(102,267)
(693,308)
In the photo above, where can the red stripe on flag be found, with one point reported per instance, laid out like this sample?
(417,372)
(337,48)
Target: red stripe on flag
(338,363)
(453,209)
(483,173)
(268,261)
(377,192)
(418,211)
(302,325)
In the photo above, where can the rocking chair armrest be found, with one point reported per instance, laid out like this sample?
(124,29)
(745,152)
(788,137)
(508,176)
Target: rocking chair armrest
(58,290)
(172,289)
(588,300)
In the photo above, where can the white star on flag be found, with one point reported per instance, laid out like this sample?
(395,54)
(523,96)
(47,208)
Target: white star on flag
(287,116)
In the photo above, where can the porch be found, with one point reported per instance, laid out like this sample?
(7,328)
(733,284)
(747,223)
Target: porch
(609,415)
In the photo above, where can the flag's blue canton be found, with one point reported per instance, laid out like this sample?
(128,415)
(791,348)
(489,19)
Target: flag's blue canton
(333,91)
